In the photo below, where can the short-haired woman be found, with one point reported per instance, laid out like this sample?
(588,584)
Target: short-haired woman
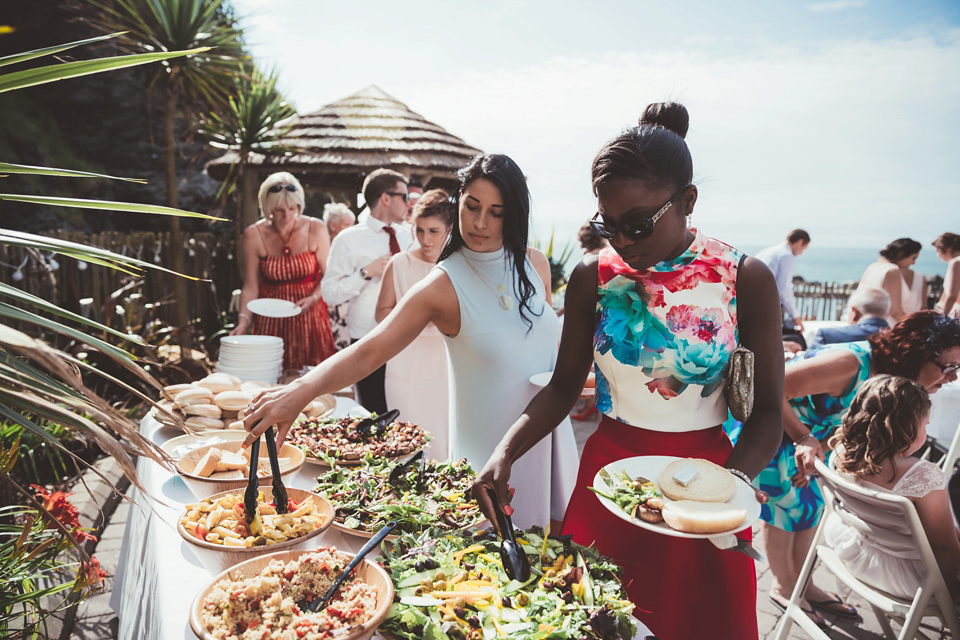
(892,273)
(416,379)
(284,256)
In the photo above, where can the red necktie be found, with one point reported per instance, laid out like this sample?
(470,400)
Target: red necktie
(394,245)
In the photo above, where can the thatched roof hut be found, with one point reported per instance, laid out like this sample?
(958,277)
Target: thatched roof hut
(345,140)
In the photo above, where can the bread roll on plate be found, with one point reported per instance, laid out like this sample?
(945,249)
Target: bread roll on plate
(203,423)
(713,483)
(219,382)
(691,516)
(193,395)
(208,463)
(205,410)
(233,400)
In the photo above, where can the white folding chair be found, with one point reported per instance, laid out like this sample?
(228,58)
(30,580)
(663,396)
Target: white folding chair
(953,453)
(892,520)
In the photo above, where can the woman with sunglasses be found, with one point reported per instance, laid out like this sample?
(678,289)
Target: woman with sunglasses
(657,314)
(818,389)
(489,296)
(284,256)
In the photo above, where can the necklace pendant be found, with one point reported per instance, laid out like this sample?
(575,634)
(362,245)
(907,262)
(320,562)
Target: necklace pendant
(506,302)
(286,250)
(500,288)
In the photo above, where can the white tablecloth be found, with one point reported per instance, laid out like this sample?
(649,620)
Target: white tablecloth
(158,576)
(945,414)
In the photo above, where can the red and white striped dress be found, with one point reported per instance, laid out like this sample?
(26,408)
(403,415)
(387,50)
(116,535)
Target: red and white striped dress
(307,338)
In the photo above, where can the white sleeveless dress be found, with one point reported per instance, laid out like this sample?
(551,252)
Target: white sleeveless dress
(415,382)
(911,298)
(490,364)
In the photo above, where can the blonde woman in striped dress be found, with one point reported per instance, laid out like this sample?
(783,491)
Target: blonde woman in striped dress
(284,256)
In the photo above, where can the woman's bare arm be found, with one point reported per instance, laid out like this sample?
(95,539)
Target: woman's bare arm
(388,292)
(430,300)
(251,278)
(892,285)
(539,261)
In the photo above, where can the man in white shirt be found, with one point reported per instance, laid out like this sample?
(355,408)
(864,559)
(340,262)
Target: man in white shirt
(780,259)
(356,261)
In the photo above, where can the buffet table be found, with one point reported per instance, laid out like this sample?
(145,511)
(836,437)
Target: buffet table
(158,576)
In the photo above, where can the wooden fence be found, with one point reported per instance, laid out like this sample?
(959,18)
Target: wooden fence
(87,289)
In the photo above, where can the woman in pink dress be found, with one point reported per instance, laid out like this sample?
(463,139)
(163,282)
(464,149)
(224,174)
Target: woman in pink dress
(284,255)
(416,378)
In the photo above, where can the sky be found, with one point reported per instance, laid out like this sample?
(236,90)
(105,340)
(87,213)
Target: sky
(841,117)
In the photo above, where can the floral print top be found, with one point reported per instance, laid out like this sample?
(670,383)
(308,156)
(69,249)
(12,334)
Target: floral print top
(822,412)
(664,337)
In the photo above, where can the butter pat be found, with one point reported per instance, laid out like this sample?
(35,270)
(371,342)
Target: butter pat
(685,476)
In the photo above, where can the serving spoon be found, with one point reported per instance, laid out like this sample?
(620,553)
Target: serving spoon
(319,603)
(402,468)
(515,561)
(368,426)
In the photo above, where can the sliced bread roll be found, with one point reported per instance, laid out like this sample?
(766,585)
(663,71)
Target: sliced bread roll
(691,516)
(233,400)
(193,395)
(172,390)
(231,461)
(208,463)
(712,483)
(203,423)
(237,425)
(254,386)
(219,382)
(205,410)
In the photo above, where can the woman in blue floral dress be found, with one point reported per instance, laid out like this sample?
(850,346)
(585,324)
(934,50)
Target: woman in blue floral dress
(818,389)
(658,314)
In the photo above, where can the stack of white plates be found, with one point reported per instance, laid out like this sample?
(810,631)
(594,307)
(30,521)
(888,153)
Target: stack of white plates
(252,357)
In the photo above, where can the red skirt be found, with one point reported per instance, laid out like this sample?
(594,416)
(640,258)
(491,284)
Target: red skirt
(683,589)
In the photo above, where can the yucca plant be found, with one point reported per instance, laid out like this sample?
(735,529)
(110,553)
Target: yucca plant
(42,386)
(189,86)
(256,120)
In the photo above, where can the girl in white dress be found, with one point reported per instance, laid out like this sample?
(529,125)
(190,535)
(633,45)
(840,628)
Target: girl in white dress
(415,382)
(490,298)
(886,423)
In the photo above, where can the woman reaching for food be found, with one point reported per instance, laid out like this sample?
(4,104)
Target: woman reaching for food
(658,315)
(489,297)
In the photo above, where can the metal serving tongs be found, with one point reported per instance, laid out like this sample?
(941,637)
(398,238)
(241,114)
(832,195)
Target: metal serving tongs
(250,511)
(319,603)
(514,560)
(402,468)
(368,426)
(280,500)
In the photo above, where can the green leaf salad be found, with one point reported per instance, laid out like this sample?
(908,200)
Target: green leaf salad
(453,587)
(638,497)
(365,500)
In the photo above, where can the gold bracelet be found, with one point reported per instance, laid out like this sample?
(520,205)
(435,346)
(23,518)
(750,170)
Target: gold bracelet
(802,438)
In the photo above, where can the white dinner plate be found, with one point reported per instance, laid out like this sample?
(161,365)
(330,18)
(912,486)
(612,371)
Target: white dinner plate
(543,379)
(274,307)
(650,467)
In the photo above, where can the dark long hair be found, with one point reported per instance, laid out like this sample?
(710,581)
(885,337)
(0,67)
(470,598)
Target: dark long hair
(509,180)
(917,339)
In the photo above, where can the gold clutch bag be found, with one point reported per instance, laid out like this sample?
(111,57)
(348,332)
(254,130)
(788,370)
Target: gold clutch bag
(740,383)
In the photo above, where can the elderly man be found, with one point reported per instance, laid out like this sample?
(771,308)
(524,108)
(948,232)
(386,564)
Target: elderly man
(867,310)
(357,258)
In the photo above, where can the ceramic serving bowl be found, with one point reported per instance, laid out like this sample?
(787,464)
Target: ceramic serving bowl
(205,487)
(217,557)
(367,571)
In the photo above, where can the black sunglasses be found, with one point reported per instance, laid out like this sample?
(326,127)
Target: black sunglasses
(277,188)
(405,196)
(947,369)
(633,229)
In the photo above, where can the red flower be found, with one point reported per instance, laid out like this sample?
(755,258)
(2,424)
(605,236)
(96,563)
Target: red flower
(92,572)
(63,511)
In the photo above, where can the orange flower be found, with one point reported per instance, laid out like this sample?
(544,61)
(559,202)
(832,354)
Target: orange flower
(59,506)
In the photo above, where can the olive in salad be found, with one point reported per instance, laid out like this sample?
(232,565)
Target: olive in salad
(365,499)
(454,587)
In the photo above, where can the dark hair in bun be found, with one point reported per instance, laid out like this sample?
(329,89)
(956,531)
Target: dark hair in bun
(653,152)
(900,248)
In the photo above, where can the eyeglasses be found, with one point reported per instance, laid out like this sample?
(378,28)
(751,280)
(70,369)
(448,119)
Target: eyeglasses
(405,196)
(633,229)
(947,369)
(277,188)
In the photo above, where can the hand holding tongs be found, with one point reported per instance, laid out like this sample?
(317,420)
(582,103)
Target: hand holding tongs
(514,560)
(318,603)
(368,426)
(402,468)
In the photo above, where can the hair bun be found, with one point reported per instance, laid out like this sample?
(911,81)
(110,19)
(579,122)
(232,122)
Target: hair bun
(669,115)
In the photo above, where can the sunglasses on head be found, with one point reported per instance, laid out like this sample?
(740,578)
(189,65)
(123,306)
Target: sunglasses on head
(277,188)
(634,229)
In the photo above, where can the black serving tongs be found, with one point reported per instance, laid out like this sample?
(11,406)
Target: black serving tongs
(399,470)
(368,426)
(280,500)
(514,560)
(319,603)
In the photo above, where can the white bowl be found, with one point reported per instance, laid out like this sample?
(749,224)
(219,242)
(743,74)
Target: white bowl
(217,557)
(249,340)
(248,361)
